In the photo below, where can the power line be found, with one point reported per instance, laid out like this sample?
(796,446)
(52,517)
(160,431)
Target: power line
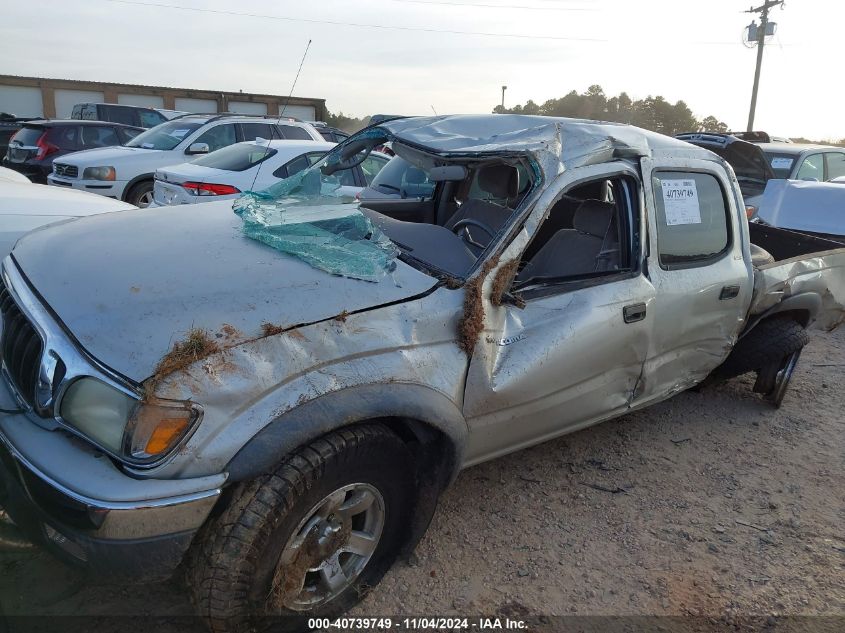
(356,24)
(494,6)
(763,10)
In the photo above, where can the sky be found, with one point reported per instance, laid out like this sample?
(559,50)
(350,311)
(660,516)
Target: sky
(449,56)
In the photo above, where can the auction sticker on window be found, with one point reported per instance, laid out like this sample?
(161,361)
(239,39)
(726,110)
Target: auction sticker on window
(779,162)
(680,200)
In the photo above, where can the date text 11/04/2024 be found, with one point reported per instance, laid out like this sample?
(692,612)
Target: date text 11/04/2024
(416,624)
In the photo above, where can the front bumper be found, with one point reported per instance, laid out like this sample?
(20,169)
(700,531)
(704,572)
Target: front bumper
(141,540)
(111,189)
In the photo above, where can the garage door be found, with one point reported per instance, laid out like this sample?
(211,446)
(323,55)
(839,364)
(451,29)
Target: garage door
(246,107)
(145,101)
(21,101)
(66,99)
(203,106)
(301,112)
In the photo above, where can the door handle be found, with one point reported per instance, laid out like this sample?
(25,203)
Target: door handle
(728,292)
(634,312)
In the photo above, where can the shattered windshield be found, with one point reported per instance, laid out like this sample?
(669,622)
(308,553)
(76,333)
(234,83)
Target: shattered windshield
(314,217)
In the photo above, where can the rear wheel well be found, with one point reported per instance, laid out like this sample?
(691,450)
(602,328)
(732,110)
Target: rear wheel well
(800,316)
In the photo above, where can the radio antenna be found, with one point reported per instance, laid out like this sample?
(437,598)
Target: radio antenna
(281,113)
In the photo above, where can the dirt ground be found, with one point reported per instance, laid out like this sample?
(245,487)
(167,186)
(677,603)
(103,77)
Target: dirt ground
(712,503)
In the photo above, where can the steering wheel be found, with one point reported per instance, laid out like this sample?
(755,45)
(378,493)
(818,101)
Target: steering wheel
(463,225)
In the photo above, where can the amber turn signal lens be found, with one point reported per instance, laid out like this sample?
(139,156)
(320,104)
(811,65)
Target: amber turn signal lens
(155,428)
(165,435)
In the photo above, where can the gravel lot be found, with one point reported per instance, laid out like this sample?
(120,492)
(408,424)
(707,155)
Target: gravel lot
(722,507)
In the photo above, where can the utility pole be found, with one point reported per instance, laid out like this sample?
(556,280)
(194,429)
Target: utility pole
(503,96)
(763,10)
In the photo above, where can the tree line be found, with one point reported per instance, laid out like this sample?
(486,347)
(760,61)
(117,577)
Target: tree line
(652,113)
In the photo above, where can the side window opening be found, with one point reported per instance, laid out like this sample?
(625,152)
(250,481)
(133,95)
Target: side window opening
(218,136)
(297,164)
(835,165)
(150,118)
(692,219)
(586,235)
(294,132)
(812,168)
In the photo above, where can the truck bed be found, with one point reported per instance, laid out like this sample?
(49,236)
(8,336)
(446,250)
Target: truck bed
(804,264)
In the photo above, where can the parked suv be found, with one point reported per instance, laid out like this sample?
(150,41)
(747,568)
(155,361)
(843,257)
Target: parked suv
(117,113)
(9,124)
(37,144)
(127,173)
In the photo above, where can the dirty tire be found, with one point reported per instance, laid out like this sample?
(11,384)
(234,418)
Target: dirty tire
(771,341)
(141,194)
(233,564)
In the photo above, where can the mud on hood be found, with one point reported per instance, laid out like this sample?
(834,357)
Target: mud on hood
(128,285)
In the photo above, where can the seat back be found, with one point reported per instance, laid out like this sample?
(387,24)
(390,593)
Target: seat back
(501,182)
(590,246)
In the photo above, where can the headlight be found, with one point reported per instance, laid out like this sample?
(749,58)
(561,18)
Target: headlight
(124,425)
(98,173)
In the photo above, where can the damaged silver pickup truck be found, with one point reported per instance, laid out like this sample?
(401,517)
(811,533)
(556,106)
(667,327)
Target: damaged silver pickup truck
(273,396)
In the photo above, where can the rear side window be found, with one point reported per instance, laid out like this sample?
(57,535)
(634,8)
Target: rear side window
(400,176)
(781,164)
(294,132)
(66,137)
(85,111)
(812,168)
(298,164)
(238,157)
(692,218)
(371,166)
(126,134)
(217,137)
(96,136)
(332,136)
(835,165)
(252,131)
(150,118)
(119,114)
(28,135)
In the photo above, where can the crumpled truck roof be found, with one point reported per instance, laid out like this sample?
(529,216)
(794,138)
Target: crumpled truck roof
(557,143)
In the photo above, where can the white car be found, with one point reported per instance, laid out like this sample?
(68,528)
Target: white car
(253,166)
(25,206)
(10,175)
(126,173)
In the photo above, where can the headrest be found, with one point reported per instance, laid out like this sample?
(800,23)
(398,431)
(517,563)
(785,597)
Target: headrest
(593,217)
(501,181)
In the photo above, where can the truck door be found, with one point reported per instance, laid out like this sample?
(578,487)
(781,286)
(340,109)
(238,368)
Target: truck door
(573,354)
(697,262)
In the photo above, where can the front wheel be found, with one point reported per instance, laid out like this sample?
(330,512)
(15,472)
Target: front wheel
(141,195)
(308,540)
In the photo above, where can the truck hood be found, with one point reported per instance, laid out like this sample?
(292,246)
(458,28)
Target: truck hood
(127,285)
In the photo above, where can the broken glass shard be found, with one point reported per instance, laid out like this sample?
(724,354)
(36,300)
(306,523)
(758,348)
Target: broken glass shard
(333,237)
